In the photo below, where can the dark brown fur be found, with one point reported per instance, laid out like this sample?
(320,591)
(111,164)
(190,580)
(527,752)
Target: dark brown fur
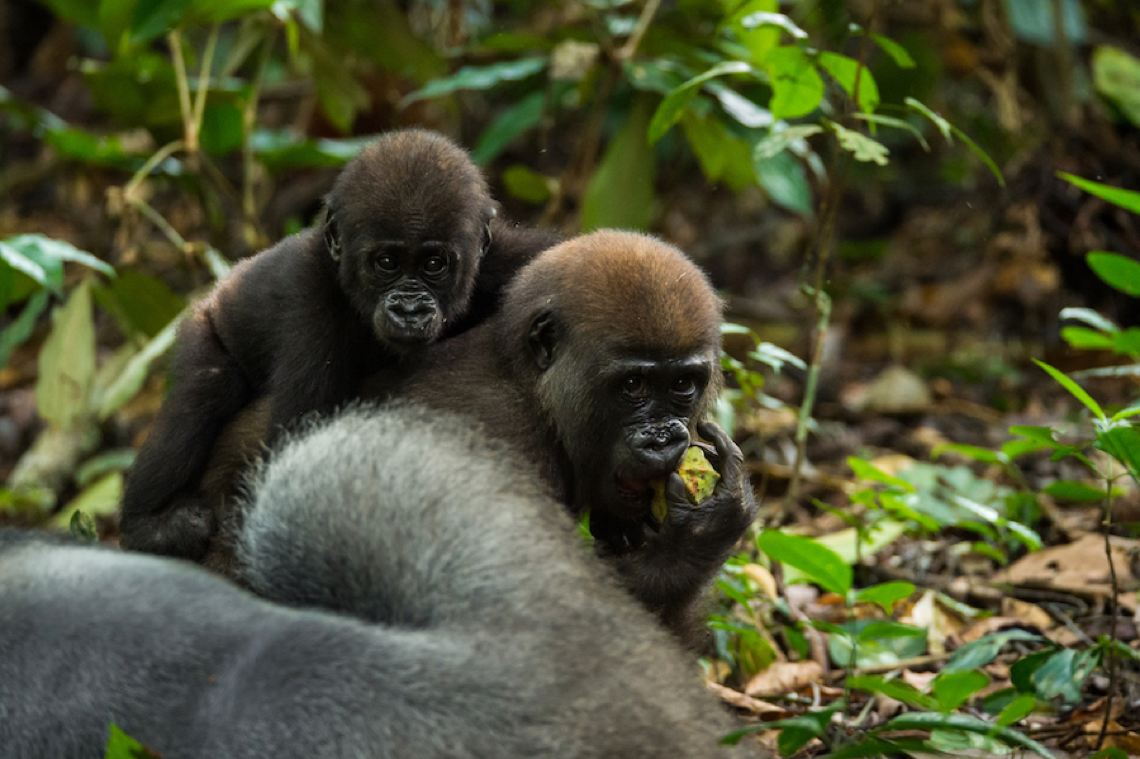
(546,374)
(391,268)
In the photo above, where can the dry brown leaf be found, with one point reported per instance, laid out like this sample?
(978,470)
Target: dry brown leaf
(783,677)
(754,705)
(763,579)
(1028,613)
(1080,568)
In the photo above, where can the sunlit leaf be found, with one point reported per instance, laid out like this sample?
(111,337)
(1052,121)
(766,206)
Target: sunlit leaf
(819,564)
(797,88)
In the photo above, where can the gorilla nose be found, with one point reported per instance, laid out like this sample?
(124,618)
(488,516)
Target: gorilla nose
(662,446)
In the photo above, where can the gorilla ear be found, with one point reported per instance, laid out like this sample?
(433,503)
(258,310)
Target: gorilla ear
(543,339)
(487,231)
(331,234)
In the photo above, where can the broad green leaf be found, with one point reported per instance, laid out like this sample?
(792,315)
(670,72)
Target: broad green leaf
(1063,674)
(99,499)
(153,18)
(479,78)
(1074,389)
(1129,200)
(1121,440)
(1018,709)
(934,721)
(862,147)
(885,594)
(673,106)
(1068,490)
(984,650)
(819,564)
(722,156)
(846,71)
(1116,76)
(1117,271)
(516,120)
(896,689)
(952,689)
(67,362)
(797,88)
(783,177)
(526,184)
(285,149)
(127,384)
(20,329)
(867,471)
(620,194)
(777,141)
(897,52)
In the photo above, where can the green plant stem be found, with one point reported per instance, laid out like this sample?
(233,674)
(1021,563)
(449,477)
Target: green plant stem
(251,229)
(189,135)
(204,82)
(144,171)
(643,21)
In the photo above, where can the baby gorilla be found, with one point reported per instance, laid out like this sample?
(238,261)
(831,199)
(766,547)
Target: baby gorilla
(474,624)
(393,264)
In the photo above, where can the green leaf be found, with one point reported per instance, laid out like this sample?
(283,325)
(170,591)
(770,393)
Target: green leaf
(897,52)
(762,18)
(1089,317)
(122,746)
(821,565)
(519,118)
(867,471)
(526,184)
(896,689)
(933,721)
(67,362)
(885,594)
(674,104)
(952,689)
(153,18)
(479,78)
(99,499)
(620,194)
(783,177)
(1121,440)
(862,147)
(777,141)
(797,88)
(1020,708)
(21,327)
(1117,271)
(1116,76)
(1074,389)
(1063,674)
(1068,490)
(984,650)
(846,71)
(1126,199)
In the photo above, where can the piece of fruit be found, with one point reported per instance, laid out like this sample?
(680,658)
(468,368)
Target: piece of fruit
(698,475)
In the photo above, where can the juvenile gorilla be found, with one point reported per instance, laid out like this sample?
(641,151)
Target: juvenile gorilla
(600,365)
(392,267)
(475,625)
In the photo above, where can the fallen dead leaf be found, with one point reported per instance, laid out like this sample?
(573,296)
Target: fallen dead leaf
(742,701)
(783,677)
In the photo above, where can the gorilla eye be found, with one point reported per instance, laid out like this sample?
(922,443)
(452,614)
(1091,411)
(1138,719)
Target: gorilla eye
(435,266)
(634,387)
(685,388)
(387,264)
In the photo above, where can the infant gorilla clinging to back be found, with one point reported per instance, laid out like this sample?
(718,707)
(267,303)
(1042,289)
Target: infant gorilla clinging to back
(396,264)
